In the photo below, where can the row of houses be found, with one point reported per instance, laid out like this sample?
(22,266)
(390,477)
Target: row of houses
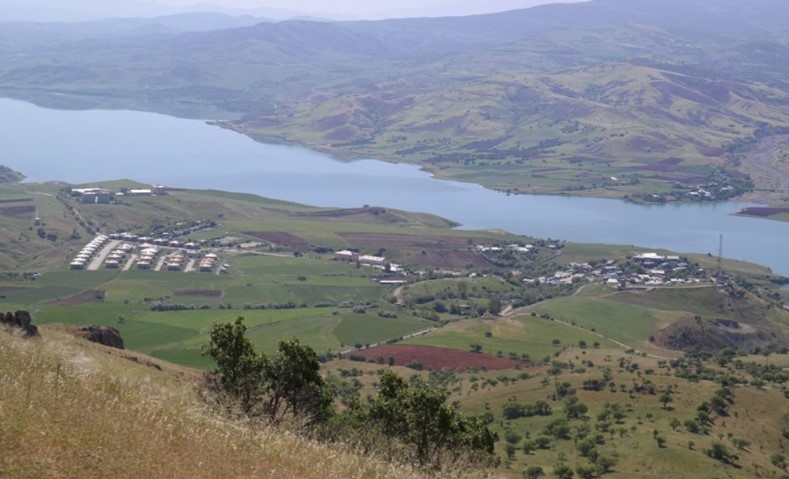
(88,252)
(147,257)
(117,256)
(208,263)
(175,261)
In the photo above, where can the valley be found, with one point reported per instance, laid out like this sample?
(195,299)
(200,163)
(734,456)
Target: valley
(283,278)
(546,242)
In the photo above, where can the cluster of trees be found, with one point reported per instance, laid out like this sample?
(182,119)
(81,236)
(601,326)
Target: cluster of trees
(288,383)
(414,419)
(515,410)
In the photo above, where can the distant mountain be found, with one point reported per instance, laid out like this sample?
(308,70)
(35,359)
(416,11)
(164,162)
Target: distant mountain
(41,33)
(623,83)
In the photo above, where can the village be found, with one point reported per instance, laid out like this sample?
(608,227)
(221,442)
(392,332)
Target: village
(126,251)
(638,271)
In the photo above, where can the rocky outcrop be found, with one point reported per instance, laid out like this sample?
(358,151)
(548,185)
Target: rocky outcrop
(110,337)
(20,320)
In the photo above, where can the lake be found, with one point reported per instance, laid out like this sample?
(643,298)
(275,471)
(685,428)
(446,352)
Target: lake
(85,146)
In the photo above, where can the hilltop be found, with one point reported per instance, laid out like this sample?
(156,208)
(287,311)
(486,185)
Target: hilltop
(7,175)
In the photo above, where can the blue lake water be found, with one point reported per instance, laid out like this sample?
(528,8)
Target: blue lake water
(85,146)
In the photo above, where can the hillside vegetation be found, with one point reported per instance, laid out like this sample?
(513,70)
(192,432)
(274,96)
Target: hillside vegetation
(75,409)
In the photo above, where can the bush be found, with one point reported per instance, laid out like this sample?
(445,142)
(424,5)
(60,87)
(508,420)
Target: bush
(533,472)
(563,471)
(720,452)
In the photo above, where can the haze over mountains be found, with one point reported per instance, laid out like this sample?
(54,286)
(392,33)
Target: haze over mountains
(84,10)
(605,82)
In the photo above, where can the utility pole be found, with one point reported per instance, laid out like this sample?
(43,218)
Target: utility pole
(720,259)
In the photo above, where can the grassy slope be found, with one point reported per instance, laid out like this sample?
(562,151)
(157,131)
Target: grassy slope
(754,417)
(73,409)
(618,119)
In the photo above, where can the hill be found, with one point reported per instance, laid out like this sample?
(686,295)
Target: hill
(7,175)
(663,97)
(73,408)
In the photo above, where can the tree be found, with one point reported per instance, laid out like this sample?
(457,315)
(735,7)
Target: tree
(720,452)
(606,463)
(510,450)
(542,442)
(674,423)
(294,385)
(494,305)
(666,398)
(563,471)
(740,443)
(288,383)
(529,446)
(778,460)
(586,446)
(574,409)
(692,426)
(239,368)
(420,417)
(533,472)
(512,437)
(586,471)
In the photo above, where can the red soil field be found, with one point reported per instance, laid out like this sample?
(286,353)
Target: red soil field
(441,251)
(87,296)
(440,358)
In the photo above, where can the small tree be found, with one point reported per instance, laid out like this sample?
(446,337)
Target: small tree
(294,384)
(239,368)
(510,450)
(666,398)
(563,471)
(674,423)
(778,460)
(606,463)
(420,417)
(586,446)
(720,452)
(533,472)
(494,305)
(529,446)
(692,426)
(586,471)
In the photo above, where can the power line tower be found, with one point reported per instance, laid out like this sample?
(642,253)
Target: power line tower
(720,259)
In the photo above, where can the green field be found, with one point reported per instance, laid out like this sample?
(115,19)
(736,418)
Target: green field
(622,322)
(523,335)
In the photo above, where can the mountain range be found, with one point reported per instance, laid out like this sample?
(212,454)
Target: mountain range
(660,93)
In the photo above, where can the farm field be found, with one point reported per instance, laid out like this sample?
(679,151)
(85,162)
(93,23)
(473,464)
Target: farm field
(522,335)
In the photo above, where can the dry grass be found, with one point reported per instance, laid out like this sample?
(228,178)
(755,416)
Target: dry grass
(68,409)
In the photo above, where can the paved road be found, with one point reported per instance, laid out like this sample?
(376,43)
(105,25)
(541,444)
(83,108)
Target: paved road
(98,260)
(160,264)
(190,266)
(130,263)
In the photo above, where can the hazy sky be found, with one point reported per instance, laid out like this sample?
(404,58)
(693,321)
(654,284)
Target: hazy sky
(47,10)
(377,8)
